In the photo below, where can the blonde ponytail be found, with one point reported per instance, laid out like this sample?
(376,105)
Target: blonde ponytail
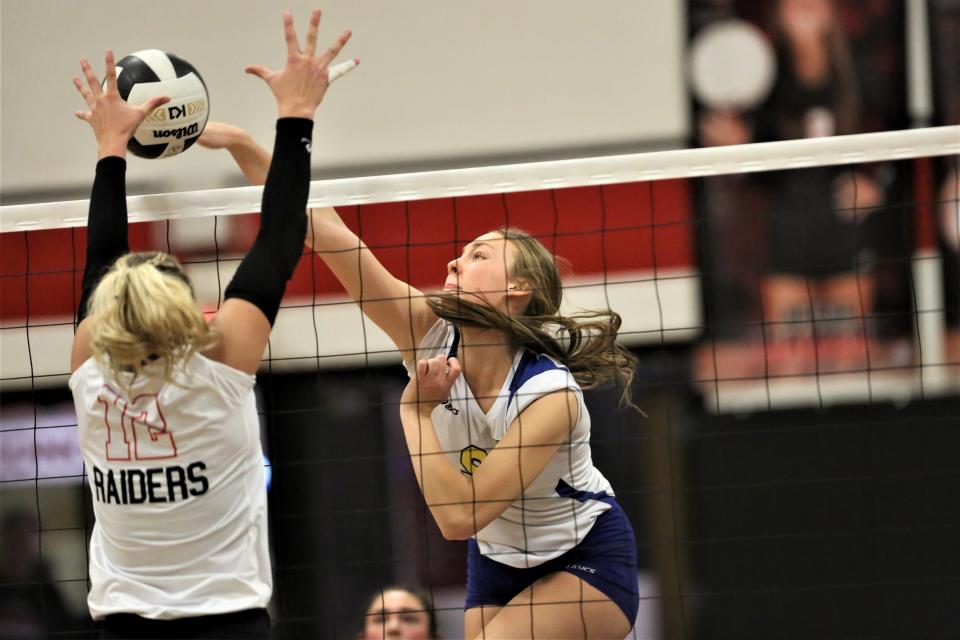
(145,310)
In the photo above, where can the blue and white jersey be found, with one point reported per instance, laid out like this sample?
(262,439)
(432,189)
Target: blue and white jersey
(560,506)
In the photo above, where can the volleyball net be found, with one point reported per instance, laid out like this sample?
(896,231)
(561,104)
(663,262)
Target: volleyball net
(799,274)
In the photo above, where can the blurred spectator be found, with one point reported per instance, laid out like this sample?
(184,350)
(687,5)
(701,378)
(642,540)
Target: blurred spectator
(949,217)
(818,259)
(944,23)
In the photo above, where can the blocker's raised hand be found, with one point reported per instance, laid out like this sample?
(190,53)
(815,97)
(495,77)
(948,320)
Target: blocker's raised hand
(302,83)
(113,119)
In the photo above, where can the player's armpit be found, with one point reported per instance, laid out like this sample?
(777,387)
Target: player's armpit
(81,351)
(244,332)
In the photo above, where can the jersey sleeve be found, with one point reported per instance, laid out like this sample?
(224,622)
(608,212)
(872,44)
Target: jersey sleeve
(75,381)
(233,383)
(436,341)
(535,378)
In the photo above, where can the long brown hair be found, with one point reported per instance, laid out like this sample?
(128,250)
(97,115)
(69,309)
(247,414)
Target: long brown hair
(146,311)
(584,342)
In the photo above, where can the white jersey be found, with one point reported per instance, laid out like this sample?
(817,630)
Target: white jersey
(176,473)
(560,506)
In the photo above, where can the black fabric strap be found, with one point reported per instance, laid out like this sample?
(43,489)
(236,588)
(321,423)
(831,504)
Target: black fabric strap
(452,353)
(262,276)
(106,225)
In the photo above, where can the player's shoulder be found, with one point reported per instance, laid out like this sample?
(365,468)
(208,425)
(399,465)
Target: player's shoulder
(537,374)
(88,369)
(533,364)
(441,338)
(200,368)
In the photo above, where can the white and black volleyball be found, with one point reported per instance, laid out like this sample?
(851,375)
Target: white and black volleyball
(173,127)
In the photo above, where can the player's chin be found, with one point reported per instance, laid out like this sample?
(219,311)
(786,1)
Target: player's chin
(495,299)
(486,298)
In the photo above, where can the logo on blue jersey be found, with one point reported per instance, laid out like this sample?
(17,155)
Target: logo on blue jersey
(470,458)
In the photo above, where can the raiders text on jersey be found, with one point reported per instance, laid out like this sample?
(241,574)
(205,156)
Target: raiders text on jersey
(153,485)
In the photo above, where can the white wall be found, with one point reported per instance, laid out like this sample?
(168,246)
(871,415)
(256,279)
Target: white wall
(442,83)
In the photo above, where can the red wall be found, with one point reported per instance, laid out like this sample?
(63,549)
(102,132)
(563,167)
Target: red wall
(624,227)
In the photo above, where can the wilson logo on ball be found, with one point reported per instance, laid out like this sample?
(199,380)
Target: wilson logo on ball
(175,126)
(192,130)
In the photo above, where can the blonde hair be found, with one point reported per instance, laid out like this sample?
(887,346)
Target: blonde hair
(584,342)
(145,310)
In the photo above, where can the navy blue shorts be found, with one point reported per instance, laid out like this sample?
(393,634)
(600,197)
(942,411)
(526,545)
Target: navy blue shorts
(606,559)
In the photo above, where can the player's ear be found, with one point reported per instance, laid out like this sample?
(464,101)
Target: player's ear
(518,289)
(518,286)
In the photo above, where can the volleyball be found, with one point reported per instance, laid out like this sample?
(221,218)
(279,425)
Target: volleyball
(173,127)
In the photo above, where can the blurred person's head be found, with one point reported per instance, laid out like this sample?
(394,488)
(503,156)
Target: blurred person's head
(146,311)
(399,612)
(806,18)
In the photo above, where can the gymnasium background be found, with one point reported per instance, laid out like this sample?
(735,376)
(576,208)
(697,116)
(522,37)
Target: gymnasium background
(831,514)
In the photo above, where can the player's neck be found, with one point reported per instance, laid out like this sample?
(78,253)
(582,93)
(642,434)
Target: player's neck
(486,357)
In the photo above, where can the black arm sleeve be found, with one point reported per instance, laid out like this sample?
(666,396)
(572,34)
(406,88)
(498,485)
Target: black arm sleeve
(262,276)
(106,225)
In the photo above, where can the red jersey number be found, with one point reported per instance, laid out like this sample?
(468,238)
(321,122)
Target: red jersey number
(136,427)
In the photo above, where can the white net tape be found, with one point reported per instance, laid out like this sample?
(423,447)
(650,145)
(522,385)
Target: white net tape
(661,165)
(658,307)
